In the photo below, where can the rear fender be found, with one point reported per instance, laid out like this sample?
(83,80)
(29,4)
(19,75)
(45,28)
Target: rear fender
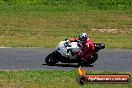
(99,46)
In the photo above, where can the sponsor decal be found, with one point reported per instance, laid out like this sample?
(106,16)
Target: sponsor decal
(83,78)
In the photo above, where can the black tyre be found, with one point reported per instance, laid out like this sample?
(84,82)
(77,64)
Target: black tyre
(92,59)
(52,59)
(80,61)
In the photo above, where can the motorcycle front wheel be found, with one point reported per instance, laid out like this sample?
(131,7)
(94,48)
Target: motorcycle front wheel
(52,59)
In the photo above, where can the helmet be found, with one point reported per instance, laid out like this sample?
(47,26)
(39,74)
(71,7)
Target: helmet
(83,37)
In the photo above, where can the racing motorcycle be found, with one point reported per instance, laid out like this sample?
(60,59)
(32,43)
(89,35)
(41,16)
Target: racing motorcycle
(66,53)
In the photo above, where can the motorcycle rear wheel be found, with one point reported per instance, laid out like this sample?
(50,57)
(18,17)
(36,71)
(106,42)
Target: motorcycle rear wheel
(89,61)
(92,59)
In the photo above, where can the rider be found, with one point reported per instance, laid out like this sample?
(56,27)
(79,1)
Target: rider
(87,46)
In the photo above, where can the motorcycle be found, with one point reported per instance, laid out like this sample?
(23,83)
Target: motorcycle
(66,53)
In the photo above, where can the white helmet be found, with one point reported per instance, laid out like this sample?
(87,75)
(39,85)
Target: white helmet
(83,37)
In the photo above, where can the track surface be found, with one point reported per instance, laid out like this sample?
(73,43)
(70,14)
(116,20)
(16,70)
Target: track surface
(33,59)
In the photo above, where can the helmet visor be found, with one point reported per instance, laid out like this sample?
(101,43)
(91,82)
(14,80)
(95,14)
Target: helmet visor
(83,38)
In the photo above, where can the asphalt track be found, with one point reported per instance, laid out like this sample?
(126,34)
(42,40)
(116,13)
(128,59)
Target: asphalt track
(34,59)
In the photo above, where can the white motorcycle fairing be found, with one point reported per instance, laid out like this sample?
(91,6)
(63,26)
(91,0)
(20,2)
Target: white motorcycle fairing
(64,47)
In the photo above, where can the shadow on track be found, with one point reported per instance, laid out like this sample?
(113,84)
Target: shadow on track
(68,65)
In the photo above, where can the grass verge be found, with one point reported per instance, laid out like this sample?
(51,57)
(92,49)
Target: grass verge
(50,79)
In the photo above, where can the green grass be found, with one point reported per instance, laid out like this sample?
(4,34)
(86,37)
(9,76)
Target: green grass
(43,23)
(50,79)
